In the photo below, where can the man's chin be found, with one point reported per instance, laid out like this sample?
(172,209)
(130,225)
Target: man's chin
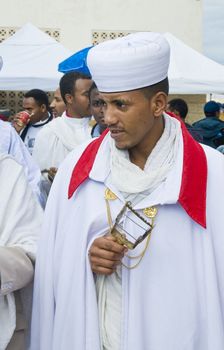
(121,146)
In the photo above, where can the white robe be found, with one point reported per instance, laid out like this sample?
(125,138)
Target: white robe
(58,138)
(20,221)
(174,300)
(11,143)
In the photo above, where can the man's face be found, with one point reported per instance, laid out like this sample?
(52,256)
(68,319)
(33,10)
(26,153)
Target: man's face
(37,112)
(96,107)
(57,104)
(79,102)
(130,116)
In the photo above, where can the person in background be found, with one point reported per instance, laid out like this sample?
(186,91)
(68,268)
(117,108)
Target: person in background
(62,135)
(96,108)
(132,248)
(20,222)
(211,127)
(57,105)
(5,115)
(179,107)
(11,143)
(220,149)
(36,104)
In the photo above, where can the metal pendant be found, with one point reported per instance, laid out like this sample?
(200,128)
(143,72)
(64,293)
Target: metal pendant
(109,195)
(150,212)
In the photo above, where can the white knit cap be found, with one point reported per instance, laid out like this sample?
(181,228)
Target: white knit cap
(128,63)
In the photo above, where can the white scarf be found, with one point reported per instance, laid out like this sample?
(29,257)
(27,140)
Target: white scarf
(71,131)
(129,178)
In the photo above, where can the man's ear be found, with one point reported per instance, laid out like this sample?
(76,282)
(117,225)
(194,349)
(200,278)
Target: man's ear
(43,108)
(69,98)
(159,103)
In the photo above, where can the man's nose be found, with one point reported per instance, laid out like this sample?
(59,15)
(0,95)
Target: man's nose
(110,116)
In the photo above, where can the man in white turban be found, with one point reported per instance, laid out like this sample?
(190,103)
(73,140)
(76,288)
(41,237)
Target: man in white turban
(132,252)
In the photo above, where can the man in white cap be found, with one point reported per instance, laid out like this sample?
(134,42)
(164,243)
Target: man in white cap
(132,253)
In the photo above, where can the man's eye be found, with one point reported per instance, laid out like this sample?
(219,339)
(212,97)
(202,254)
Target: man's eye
(120,104)
(98,103)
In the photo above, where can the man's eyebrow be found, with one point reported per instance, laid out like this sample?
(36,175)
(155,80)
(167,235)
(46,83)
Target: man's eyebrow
(120,100)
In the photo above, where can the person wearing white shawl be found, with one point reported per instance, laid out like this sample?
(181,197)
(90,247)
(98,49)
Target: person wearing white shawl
(62,135)
(20,221)
(92,290)
(57,104)
(11,143)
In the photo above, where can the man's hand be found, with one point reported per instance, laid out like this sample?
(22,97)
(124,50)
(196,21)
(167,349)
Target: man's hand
(105,255)
(15,124)
(20,120)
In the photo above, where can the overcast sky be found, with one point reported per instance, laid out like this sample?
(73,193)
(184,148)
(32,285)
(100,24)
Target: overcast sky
(213,29)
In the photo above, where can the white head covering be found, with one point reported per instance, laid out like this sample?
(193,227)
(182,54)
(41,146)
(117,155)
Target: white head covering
(128,63)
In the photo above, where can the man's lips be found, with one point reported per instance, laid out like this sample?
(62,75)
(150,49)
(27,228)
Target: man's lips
(115,133)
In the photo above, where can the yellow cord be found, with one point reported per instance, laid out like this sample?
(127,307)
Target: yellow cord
(141,255)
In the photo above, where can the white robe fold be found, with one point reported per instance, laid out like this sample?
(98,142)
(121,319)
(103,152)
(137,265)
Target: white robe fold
(20,221)
(11,143)
(58,138)
(174,300)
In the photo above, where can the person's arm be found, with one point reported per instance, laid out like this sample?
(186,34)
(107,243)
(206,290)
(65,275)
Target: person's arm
(21,154)
(20,222)
(16,269)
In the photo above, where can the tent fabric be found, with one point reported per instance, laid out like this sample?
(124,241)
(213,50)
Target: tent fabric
(30,60)
(191,72)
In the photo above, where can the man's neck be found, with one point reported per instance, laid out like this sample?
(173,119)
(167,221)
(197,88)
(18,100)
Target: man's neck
(140,153)
(45,117)
(72,114)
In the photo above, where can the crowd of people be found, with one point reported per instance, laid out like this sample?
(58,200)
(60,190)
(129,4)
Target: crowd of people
(116,202)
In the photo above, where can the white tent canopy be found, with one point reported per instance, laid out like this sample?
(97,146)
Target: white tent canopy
(191,72)
(30,60)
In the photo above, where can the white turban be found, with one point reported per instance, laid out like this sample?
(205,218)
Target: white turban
(128,63)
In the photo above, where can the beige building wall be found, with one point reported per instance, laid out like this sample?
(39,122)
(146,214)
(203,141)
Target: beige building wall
(76,19)
(76,23)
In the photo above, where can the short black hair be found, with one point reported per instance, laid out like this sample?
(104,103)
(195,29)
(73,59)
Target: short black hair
(179,105)
(39,96)
(92,87)
(67,83)
(211,108)
(162,86)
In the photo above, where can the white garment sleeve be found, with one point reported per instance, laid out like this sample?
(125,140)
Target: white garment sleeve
(11,143)
(44,149)
(16,269)
(20,222)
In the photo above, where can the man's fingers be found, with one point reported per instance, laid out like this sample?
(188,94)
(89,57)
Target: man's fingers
(102,270)
(110,264)
(108,243)
(105,255)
